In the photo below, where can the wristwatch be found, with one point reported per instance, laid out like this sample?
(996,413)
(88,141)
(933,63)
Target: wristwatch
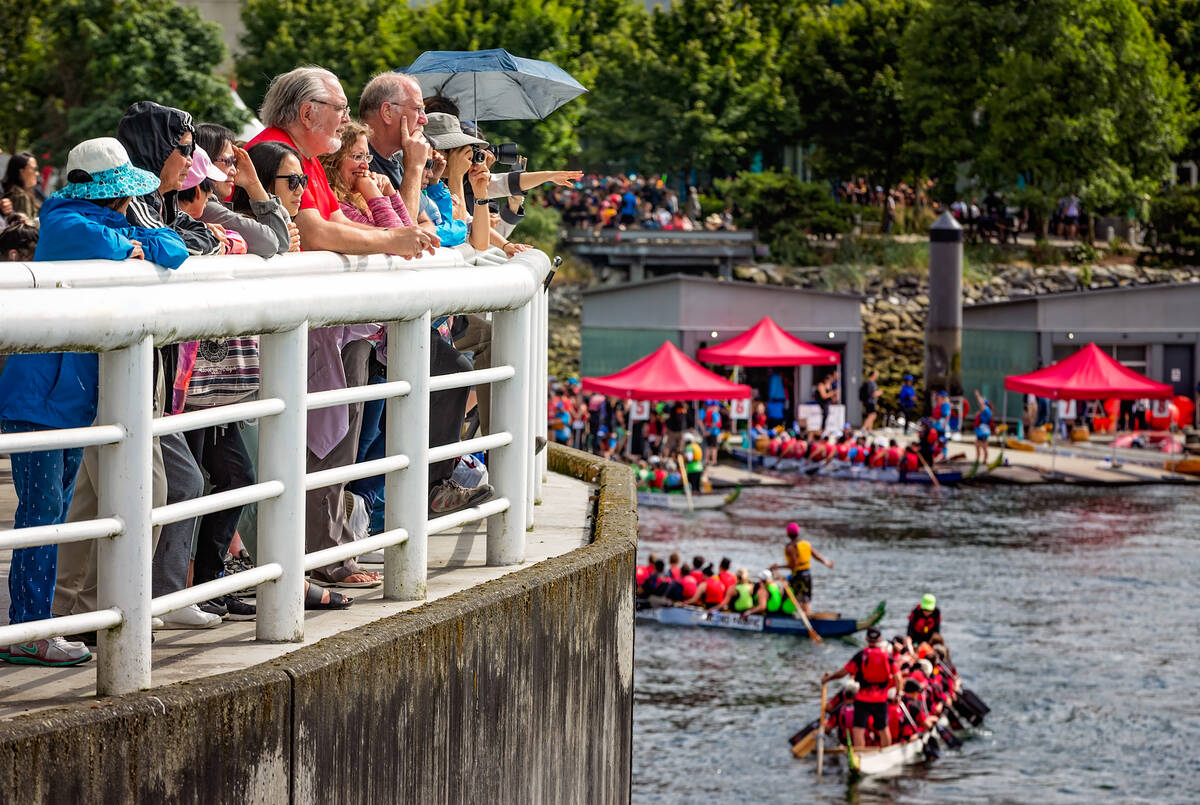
(482,202)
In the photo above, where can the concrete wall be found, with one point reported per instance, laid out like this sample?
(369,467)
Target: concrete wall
(519,690)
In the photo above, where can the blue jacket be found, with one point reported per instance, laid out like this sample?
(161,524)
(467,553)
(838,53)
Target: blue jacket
(449,231)
(908,395)
(58,389)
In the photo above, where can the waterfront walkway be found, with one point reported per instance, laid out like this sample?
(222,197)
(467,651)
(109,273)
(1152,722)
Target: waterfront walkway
(456,562)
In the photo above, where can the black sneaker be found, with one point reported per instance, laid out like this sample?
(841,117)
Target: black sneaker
(238,609)
(450,496)
(216,606)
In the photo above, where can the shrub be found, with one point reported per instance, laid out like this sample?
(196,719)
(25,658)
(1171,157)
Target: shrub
(1082,253)
(779,204)
(540,228)
(1175,221)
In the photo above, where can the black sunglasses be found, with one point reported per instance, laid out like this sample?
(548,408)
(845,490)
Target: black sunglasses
(187,149)
(296,181)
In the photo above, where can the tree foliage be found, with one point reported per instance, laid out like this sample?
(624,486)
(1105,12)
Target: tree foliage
(1177,23)
(1054,97)
(83,62)
(843,70)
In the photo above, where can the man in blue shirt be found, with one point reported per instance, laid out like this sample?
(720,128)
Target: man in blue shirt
(908,401)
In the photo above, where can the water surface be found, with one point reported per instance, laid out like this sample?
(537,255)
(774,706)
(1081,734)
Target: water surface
(1070,611)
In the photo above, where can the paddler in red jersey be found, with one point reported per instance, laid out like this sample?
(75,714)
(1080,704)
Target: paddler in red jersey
(892,456)
(925,620)
(875,672)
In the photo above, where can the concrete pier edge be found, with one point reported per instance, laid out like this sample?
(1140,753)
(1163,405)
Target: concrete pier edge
(516,690)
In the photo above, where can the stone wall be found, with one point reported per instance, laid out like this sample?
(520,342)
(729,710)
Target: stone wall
(518,690)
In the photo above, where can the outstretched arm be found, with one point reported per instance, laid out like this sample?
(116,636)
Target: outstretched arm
(821,559)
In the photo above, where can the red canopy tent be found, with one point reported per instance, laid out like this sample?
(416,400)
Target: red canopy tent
(766,344)
(666,374)
(1089,374)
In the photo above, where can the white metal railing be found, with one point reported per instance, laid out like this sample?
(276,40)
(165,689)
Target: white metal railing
(122,309)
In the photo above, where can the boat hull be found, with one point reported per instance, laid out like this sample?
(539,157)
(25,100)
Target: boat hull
(849,472)
(679,501)
(769,624)
(867,762)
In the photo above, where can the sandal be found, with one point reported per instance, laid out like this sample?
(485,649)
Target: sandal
(315,598)
(366,579)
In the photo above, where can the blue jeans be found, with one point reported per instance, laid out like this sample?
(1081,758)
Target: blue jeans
(44,482)
(371,446)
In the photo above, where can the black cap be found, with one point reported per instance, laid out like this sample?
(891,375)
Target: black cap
(873,634)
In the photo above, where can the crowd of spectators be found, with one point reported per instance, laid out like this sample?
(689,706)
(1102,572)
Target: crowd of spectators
(400,179)
(633,202)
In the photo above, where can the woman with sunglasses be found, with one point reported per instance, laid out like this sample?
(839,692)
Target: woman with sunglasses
(265,226)
(278,167)
(364,197)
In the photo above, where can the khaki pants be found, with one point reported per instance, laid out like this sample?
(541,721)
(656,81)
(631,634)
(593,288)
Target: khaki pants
(75,590)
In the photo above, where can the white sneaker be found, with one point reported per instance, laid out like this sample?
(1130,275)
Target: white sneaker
(55,651)
(190,618)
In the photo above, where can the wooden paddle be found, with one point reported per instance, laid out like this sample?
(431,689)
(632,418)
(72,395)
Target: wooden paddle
(687,487)
(929,472)
(821,729)
(799,615)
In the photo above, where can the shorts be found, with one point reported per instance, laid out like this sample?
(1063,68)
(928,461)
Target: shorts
(710,440)
(982,433)
(876,711)
(802,585)
(869,407)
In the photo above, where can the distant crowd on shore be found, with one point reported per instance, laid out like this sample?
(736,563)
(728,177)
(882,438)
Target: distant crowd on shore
(634,202)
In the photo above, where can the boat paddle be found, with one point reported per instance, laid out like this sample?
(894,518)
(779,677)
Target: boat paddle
(798,614)
(821,730)
(687,487)
(929,471)
(804,740)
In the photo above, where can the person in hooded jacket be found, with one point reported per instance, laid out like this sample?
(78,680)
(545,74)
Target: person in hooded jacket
(160,139)
(84,220)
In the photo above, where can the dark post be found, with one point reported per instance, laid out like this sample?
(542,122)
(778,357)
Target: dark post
(943,325)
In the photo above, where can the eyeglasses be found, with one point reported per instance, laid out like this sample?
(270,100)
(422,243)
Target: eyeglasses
(420,110)
(187,149)
(360,157)
(296,181)
(340,108)
(228,162)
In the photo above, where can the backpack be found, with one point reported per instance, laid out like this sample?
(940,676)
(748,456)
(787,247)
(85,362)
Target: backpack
(874,668)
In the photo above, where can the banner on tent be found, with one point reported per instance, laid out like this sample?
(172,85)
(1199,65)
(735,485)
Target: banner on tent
(809,417)
(739,409)
(1066,409)
(639,410)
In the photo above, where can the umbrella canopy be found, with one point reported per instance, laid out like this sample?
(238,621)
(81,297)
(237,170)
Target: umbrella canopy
(494,84)
(1089,374)
(666,374)
(766,344)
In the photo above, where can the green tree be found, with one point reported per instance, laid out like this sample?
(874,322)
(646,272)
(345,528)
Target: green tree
(842,71)
(1177,22)
(1066,96)
(90,59)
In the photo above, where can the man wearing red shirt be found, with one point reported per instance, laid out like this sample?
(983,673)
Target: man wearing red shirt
(305,109)
(875,672)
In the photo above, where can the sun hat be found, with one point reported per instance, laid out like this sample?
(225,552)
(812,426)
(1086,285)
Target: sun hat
(928,602)
(100,169)
(764,575)
(793,530)
(444,133)
(202,168)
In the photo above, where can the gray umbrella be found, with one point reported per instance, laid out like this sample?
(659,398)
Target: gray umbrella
(494,84)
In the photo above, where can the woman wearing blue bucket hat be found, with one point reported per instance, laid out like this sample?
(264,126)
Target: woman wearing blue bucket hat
(85,220)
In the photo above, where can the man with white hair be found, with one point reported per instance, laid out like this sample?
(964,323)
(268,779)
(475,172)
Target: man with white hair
(305,109)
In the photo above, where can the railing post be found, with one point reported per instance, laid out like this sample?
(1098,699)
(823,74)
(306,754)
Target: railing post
(531,398)
(508,466)
(543,372)
(123,489)
(406,505)
(282,441)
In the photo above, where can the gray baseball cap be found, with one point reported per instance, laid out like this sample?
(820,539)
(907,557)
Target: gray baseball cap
(444,133)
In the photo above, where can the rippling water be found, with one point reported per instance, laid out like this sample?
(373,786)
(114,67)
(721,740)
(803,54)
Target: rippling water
(1070,611)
